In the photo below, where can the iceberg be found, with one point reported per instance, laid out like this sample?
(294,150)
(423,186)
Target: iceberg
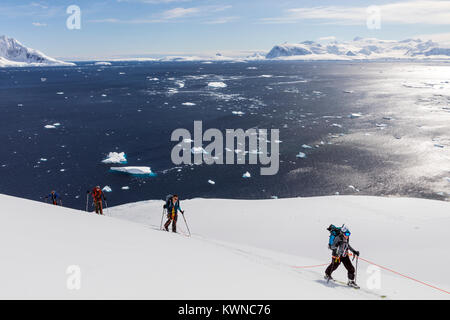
(301,155)
(246,175)
(211,182)
(107,189)
(217,84)
(116,157)
(138,171)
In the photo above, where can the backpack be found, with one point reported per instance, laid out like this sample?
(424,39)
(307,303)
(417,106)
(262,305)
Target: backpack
(168,199)
(334,232)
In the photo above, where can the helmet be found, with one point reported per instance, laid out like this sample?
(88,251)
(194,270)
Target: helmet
(345,231)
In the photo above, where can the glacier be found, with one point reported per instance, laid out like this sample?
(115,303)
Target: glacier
(14,54)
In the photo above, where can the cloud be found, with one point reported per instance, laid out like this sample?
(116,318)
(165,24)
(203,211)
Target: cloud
(39,24)
(179,13)
(407,12)
(172,15)
(221,20)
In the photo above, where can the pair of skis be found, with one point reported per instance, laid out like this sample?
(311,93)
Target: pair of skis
(162,218)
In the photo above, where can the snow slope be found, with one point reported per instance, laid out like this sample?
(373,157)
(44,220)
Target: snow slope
(239,249)
(14,54)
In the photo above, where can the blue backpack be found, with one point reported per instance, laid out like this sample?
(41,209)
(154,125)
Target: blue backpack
(334,232)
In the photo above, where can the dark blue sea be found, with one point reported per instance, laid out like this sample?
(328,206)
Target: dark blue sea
(365,128)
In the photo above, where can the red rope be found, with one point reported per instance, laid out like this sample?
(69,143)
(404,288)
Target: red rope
(370,262)
(405,276)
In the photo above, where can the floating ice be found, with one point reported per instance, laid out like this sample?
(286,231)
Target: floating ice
(125,188)
(355,115)
(348,91)
(141,171)
(49,126)
(301,155)
(305,146)
(43,79)
(188,104)
(266,76)
(180,83)
(211,182)
(102,63)
(42,159)
(115,157)
(336,125)
(107,189)
(246,175)
(217,84)
(238,113)
(353,188)
(437,145)
(60,93)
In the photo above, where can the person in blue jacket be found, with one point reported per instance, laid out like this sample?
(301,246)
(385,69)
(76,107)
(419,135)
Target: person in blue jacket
(172,206)
(54,198)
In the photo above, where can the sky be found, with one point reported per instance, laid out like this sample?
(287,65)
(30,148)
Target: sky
(130,28)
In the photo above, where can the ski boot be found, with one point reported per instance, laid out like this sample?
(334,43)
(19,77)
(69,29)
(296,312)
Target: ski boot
(352,283)
(328,278)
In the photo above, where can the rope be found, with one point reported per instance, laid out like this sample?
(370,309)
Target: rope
(390,270)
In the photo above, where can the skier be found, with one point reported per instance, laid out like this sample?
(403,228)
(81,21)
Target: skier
(54,197)
(97,195)
(172,206)
(340,249)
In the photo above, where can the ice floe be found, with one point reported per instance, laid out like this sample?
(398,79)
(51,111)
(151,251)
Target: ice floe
(107,189)
(217,84)
(211,182)
(246,175)
(188,104)
(301,155)
(142,171)
(115,157)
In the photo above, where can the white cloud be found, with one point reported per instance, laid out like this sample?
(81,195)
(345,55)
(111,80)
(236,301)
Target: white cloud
(180,12)
(39,24)
(406,12)
(221,20)
(172,15)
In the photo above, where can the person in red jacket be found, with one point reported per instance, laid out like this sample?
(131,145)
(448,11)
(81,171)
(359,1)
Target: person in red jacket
(98,196)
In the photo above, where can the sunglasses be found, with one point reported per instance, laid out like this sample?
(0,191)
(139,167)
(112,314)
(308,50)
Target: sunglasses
(347,233)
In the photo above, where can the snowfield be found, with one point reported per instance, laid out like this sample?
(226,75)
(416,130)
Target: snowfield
(239,249)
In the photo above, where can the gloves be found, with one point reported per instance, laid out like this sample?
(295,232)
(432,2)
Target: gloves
(356,253)
(182,211)
(165,206)
(104,198)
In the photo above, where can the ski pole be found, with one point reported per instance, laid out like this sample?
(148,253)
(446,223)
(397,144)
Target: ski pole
(186,224)
(87,200)
(106,209)
(162,217)
(356,272)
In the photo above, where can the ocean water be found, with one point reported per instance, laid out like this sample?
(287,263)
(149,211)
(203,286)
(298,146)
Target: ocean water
(374,128)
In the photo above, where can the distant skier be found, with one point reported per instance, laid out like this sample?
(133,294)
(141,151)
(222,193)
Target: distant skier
(172,206)
(98,196)
(54,198)
(340,246)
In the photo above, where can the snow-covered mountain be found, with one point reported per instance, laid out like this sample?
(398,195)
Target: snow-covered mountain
(239,249)
(14,54)
(360,49)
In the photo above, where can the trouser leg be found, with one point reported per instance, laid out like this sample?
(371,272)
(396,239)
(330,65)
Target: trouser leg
(333,266)
(174,223)
(166,225)
(349,266)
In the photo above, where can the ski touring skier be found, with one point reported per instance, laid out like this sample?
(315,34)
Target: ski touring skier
(339,243)
(54,198)
(98,197)
(172,206)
